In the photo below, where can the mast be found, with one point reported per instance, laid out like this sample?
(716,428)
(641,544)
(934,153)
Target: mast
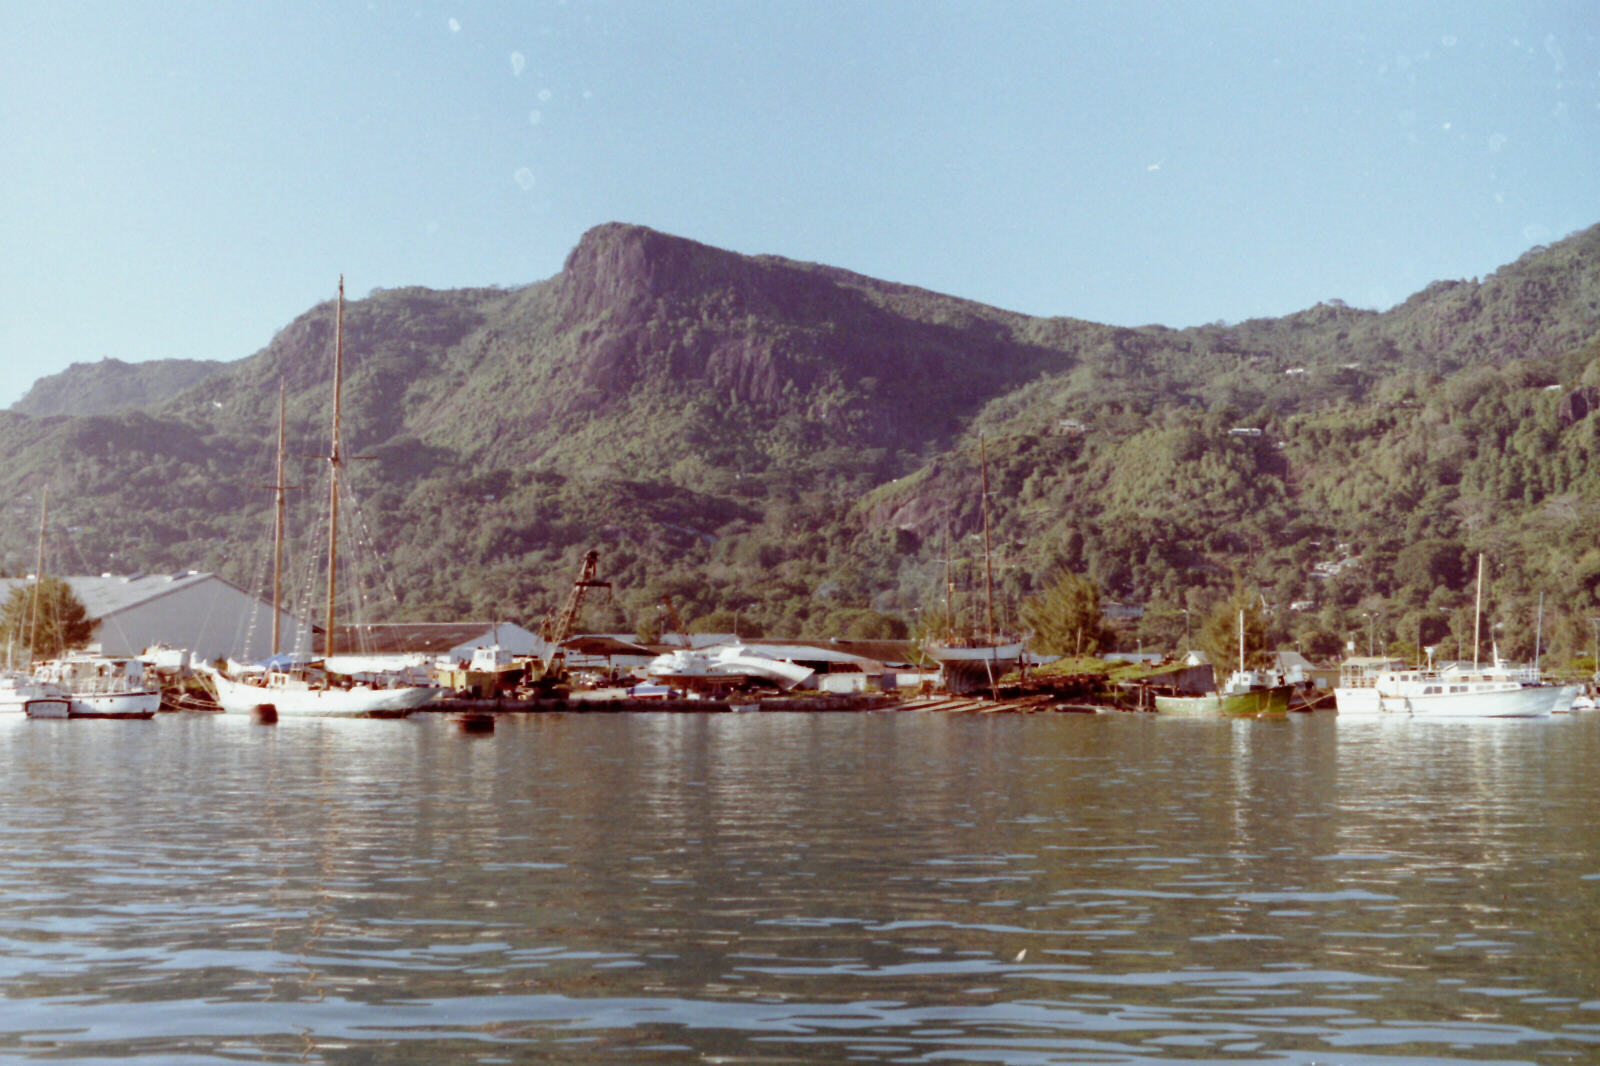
(278,488)
(988,568)
(1477,613)
(1241,640)
(38,578)
(950,618)
(1538,637)
(334,461)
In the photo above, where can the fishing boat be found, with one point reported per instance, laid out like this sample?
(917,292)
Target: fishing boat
(1245,693)
(79,685)
(299,687)
(95,686)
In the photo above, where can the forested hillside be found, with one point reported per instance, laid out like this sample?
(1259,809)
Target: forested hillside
(112,385)
(800,444)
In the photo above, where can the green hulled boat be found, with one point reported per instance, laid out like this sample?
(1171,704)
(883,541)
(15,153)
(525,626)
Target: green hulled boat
(1248,692)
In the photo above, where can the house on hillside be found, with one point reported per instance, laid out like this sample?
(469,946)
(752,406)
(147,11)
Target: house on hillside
(199,612)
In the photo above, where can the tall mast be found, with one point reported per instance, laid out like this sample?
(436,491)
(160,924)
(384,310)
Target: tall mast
(1241,640)
(1477,613)
(38,579)
(988,568)
(949,616)
(278,488)
(334,461)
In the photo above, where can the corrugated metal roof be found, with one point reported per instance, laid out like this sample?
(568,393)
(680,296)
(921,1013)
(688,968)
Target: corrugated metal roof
(106,595)
(604,644)
(433,638)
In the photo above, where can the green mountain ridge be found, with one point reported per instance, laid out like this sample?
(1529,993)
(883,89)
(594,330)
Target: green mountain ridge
(112,385)
(799,442)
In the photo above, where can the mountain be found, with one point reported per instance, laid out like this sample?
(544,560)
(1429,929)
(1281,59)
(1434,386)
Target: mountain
(112,385)
(801,443)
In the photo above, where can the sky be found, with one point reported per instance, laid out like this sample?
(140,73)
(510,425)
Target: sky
(182,179)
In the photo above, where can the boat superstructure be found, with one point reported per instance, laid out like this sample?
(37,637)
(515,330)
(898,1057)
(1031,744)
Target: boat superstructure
(1357,691)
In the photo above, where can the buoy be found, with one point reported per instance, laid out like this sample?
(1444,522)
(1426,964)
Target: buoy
(475,722)
(265,714)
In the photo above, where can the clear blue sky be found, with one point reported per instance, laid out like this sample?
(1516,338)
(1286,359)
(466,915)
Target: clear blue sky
(182,179)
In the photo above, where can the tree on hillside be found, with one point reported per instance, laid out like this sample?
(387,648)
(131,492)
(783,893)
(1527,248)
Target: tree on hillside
(1219,636)
(58,624)
(1065,617)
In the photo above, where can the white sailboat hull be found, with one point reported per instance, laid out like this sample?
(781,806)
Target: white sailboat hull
(303,701)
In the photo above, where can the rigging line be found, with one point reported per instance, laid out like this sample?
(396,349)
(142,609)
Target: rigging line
(366,540)
(313,534)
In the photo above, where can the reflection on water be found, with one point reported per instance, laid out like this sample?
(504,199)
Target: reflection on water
(801,888)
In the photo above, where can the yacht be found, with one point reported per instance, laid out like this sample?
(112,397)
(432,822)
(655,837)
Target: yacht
(1470,690)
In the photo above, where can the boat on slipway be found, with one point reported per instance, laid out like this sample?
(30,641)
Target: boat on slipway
(285,686)
(729,666)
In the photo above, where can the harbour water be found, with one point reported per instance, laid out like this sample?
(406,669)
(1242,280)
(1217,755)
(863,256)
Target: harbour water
(799,888)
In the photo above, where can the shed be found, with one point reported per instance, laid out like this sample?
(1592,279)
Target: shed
(390,645)
(200,612)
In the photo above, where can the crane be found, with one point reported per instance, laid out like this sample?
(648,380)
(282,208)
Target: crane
(559,625)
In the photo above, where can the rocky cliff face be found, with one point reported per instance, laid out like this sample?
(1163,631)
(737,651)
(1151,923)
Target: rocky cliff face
(651,310)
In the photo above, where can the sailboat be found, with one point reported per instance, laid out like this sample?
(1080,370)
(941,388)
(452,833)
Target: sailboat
(283,685)
(972,654)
